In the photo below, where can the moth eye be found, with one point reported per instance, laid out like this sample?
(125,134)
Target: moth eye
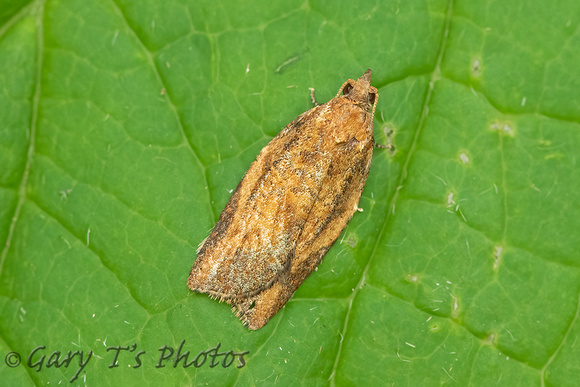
(347,89)
(372,98)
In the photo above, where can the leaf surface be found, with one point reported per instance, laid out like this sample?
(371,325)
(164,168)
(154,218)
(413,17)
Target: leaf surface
(124,128)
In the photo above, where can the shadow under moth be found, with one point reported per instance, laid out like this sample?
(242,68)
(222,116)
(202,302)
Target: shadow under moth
(290,207)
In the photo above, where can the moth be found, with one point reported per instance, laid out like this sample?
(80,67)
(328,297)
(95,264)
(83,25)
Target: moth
(290,207)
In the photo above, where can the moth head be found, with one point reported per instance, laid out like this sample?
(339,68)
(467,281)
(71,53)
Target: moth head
(361,91)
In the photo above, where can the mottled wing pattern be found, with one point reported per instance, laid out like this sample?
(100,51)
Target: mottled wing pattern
(257,232)
(336,204)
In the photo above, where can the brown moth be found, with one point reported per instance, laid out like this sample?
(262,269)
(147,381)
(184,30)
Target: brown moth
(290,207)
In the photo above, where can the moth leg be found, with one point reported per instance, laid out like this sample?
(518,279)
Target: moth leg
(390,134)
(388,146)
(312,96)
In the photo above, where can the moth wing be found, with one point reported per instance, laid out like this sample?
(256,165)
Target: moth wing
(337,202)
(255,237)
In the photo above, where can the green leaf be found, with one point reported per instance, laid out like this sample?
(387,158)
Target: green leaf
(125,126)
